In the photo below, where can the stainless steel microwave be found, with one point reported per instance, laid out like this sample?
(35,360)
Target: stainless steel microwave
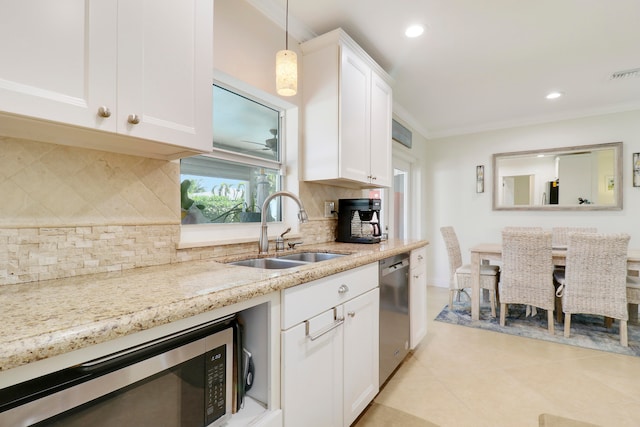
(187,379)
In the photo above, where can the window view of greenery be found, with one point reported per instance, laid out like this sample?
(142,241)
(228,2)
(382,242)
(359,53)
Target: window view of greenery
(217,191)
(231,184)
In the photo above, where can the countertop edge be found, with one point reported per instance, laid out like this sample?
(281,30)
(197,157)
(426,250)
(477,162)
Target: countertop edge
(27,349)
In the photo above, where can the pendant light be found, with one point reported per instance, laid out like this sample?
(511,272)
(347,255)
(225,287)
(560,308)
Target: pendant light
(286,66)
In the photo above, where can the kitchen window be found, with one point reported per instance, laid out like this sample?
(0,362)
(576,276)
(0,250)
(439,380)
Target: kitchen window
(221,193)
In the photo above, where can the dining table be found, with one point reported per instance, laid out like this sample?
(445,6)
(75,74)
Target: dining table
(493,252)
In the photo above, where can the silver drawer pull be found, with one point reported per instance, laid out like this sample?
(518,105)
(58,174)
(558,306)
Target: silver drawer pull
(324,330)
(420,257)
(352,314)
(343,289)
(133,119)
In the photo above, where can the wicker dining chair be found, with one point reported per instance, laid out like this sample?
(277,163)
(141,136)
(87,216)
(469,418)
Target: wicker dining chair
(633,296)
(513,228)
(460,274)
(560,240)
(527,272)
(595,279)
(560,235)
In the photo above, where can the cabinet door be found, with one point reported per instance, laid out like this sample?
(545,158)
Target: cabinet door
(355,80)
(361,353)
(164,71)
(418,297)
(312,372)
(381,116)
(58,60)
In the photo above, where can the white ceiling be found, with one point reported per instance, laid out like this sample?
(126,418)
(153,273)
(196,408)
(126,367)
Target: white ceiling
(484,65)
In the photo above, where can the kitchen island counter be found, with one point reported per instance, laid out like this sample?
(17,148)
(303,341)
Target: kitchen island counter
(49,318)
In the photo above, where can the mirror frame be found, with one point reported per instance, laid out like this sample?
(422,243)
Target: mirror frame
(616,146)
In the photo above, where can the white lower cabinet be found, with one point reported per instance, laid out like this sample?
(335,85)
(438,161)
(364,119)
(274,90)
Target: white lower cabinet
(417,297)
(312,371)
(361,353)
(330,357)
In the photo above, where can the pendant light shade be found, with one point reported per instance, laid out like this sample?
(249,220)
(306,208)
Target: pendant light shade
(286,72)
(286,65)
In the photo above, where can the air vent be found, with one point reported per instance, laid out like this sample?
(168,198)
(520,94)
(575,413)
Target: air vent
(618,75)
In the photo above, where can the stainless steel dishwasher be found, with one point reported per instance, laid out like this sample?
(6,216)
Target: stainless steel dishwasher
(394,313)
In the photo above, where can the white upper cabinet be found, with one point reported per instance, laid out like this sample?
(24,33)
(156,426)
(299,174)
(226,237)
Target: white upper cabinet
(347,114)
(381,123)
(59,60)
(137,71)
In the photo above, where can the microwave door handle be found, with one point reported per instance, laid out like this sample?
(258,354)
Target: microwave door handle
(151,348)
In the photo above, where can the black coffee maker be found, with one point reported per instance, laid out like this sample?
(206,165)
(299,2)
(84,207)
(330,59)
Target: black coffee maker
(359,221)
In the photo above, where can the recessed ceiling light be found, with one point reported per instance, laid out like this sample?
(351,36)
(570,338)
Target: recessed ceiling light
(414,31)
(554,95)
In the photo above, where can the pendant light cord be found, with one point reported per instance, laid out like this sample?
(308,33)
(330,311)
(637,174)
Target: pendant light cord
(286,28)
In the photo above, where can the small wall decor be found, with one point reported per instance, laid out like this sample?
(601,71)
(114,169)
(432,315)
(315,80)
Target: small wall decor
(480,179)
(636,169)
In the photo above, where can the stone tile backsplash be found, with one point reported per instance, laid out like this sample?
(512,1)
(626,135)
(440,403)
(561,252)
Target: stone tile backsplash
(69,211)
(34,254)
(44,185)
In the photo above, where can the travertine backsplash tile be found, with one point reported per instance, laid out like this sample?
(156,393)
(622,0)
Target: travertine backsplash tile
(33,254)
(314,195)
(54,252)
(46,184)
(69,211)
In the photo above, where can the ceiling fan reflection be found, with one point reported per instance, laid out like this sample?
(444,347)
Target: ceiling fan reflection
(269,143)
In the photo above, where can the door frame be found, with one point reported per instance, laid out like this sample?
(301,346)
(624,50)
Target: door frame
(405,161)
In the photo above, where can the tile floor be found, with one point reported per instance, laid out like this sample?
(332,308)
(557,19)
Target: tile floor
(461,376)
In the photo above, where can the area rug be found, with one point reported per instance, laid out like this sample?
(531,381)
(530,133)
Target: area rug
(586,330)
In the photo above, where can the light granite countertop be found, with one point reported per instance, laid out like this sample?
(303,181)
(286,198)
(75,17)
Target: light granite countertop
(45,319)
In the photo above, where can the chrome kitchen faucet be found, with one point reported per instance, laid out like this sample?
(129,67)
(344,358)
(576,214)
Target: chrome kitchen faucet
(263,243)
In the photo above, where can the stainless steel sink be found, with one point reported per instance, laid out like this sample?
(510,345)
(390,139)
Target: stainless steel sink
(311,256)
(287,261)
(269,263)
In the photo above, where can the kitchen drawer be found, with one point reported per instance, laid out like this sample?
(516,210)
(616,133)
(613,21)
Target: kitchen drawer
(419,258)
(305,301)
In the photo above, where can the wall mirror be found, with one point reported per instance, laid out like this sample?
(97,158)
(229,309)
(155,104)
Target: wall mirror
(587,177)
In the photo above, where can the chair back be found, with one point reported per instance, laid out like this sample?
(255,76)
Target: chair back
(453,250)
(561,234)
(596,275)
(527,268)
(511,228)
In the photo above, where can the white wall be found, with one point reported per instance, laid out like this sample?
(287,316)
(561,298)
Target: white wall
(451,198)
(245,45)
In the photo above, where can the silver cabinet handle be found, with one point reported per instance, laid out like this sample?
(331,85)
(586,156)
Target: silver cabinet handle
(420,257)
(351,313)
(104,111)
(134,119)
(343,289)
(322,331)
(415,276)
